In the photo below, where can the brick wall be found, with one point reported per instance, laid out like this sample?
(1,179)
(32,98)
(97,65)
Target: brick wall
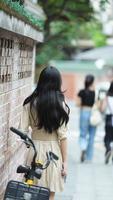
(72,82)
(16,78)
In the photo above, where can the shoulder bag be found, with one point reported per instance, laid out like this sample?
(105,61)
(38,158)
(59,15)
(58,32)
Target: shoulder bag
(96,116)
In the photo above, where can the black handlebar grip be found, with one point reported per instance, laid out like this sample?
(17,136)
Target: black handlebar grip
(23,169)
(53,155)
(22,135)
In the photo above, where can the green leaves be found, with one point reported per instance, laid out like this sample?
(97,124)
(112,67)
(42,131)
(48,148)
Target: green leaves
(67,9)
(95,33)
(68,21)
(23,13)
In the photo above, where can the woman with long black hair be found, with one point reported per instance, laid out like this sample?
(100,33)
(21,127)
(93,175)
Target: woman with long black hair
(47,113)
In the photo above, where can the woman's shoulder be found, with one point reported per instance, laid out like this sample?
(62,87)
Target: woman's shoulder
(85,91)
(26,107)
(66,107)
(81,92)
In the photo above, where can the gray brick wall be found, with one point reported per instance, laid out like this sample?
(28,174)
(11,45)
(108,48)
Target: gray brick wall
(16,78)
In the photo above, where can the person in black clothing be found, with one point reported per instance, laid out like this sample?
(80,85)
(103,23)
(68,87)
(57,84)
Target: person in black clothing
(86,99)
(107,107)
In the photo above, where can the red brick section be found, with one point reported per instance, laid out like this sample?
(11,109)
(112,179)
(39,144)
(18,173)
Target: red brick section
(15,85)
(72,82)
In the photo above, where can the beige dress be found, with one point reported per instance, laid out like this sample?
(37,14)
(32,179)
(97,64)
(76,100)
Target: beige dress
(45,142)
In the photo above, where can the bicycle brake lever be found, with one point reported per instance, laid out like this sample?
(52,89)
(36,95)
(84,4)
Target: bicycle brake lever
(53,156)
(48,156)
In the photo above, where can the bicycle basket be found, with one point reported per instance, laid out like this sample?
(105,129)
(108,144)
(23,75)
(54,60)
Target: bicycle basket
(20,191)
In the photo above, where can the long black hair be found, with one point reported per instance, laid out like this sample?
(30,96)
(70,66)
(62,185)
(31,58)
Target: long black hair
(89,81)
(47,100)
(110,90)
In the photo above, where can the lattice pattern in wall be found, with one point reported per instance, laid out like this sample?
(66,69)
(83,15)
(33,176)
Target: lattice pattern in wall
(16,59)
(25,61)
(6,60)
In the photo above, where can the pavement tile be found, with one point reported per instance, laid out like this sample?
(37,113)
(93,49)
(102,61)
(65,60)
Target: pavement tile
(63,197)
(86,181)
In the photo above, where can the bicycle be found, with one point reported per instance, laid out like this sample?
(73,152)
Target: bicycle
(27,190)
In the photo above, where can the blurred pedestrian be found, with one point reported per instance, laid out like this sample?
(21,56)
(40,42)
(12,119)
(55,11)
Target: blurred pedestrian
(47,113)
(107,107)
(86,99)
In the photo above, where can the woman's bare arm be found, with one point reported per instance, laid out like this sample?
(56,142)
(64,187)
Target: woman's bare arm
(78,101)
(63,146)
(103,105)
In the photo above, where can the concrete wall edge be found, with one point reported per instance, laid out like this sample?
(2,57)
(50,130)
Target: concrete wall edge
(17,26)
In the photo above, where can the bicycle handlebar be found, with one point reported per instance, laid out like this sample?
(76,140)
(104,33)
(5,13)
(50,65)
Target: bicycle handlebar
(25,138)
(33,170)
(22,135)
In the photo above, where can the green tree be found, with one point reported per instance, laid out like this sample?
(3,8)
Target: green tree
(93,31)
(64,19)
(96,34)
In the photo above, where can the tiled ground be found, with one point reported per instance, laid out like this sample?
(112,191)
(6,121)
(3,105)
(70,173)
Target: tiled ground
(64,197)
(88,181)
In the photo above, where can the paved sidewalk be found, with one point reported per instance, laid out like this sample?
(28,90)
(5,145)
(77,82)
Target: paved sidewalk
(93,181)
